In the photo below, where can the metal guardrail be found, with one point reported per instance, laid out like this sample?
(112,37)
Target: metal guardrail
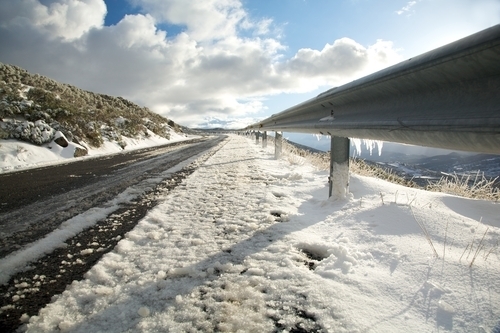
(446,98)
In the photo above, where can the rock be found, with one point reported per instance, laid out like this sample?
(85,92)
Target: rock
(61,141)
(76,140)
(4,133)
(69,136)
(79,152)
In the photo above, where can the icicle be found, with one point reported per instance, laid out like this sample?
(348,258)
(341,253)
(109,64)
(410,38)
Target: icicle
(370,145)
(318,136)
(357,146)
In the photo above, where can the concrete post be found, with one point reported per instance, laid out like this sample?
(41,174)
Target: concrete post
(264,139)
(278,144)
(339,168)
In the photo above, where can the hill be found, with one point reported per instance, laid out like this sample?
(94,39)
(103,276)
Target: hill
(39,110)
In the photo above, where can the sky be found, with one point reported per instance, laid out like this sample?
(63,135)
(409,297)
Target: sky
(226,63)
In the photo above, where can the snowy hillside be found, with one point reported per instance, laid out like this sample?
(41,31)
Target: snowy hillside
(18,155)
(45,113)
(251,244)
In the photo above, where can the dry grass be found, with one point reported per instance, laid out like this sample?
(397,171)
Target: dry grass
(470,186)
(79,114)
(477,186)
(425,231)
(479,248)
(360,167)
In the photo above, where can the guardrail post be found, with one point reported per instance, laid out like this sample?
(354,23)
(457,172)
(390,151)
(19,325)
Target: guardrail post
(278,144)
(339,168)
(257,135)
(264,139)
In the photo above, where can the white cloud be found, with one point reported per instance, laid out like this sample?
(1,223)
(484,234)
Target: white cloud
(205,20)
(67,19)
(226,122)
(221,66)
(338,62)
(406,8)
(132,29)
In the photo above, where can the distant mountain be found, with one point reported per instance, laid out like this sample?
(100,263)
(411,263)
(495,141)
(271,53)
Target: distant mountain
(427,169)
(390,156)
(423,169)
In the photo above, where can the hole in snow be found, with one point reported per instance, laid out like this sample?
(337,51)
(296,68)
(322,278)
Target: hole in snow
(302,322)
(314,254)
(276,213)
(279,215)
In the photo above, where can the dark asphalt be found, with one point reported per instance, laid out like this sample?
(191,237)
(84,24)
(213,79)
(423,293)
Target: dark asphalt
(24,187)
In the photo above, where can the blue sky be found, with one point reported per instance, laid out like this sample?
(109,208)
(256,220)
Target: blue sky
(226,62)
(313,23)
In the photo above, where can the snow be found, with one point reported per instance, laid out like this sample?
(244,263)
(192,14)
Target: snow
(18,155)
(340,180)
(248,243)
(19,260)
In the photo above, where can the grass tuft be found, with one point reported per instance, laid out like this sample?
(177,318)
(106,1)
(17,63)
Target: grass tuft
(425,231)
(470,186)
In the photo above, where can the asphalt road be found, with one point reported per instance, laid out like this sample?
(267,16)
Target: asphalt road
(36,201)
(25,187)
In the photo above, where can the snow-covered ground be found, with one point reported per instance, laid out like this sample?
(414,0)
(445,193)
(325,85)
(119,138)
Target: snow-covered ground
(251,244)
(16,155)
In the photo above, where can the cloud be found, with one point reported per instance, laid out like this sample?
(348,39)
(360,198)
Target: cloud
(227,122)
(205,20)
(132,29)
(406,8)
(343,60)
(65,19)
(223,65)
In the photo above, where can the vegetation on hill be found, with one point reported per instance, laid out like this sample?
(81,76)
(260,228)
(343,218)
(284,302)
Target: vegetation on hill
(33,108)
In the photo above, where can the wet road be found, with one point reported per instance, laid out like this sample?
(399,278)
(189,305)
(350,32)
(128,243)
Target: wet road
(36,201)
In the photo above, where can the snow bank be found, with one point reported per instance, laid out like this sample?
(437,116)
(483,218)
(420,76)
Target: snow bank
(18,155)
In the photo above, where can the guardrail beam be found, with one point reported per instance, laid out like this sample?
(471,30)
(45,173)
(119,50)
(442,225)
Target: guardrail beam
(446,98)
